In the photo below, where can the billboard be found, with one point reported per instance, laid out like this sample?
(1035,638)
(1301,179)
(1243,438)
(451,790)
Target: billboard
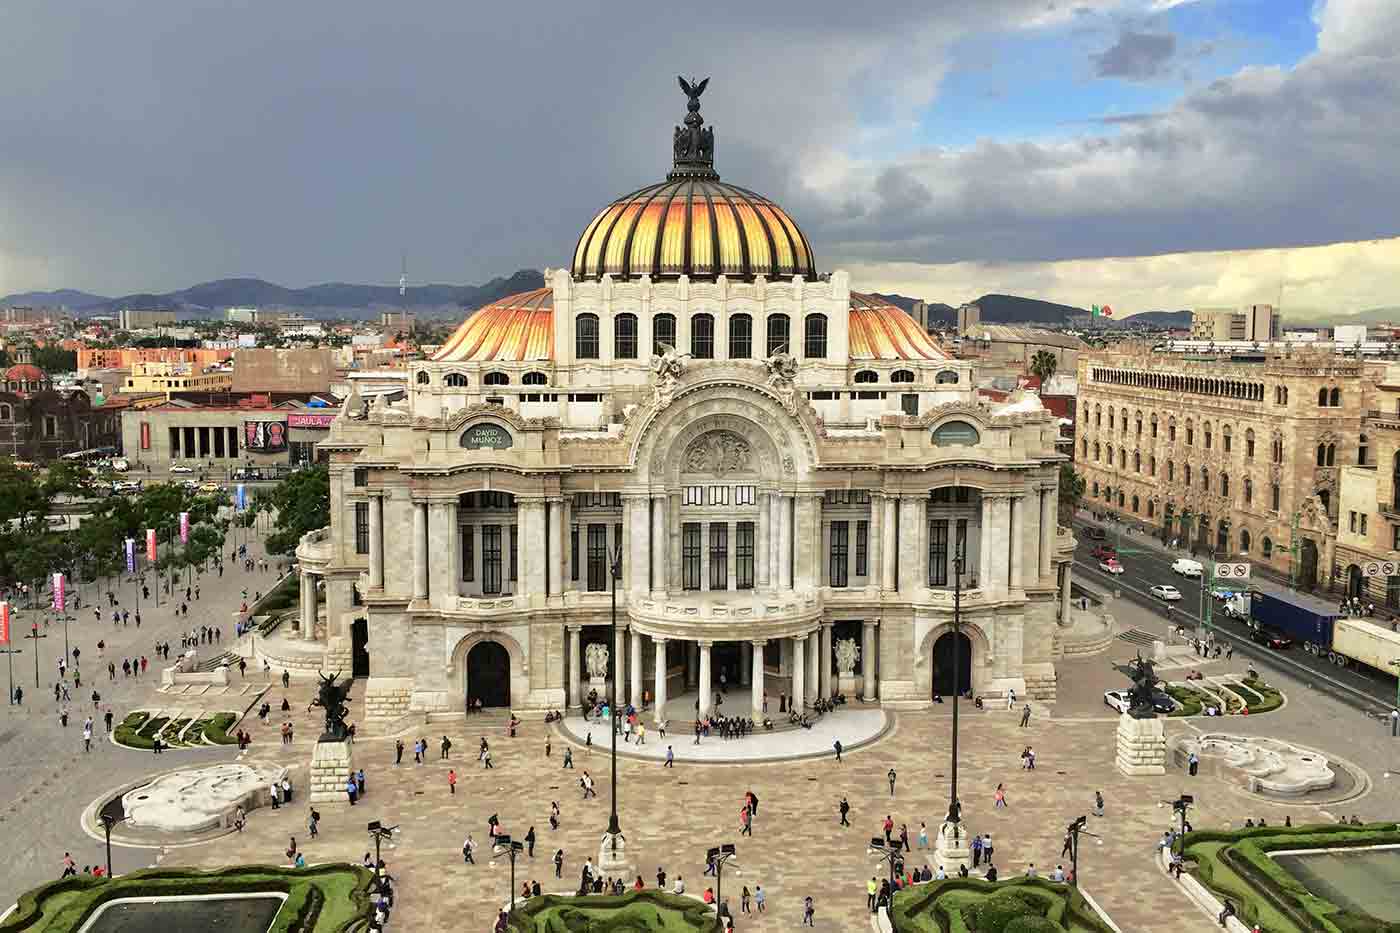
(265,436)
(303,420)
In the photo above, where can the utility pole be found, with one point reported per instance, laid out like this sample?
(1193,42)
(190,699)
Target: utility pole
(1293,552)
(34,634)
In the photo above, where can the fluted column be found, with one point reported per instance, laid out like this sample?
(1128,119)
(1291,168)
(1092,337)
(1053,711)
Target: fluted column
(889,548)
(912,569)
(705,700)
(814,648)
(308,607)
(660,545)
(636,569)
(824,675)
(985,533)
(867,659)
(874,565)
(534,556)
(572,676)
(1047,533)
(1016,525)
(785,505)
(558,535)
(756,679)
(636,658)
(619,666)
(376,542)
(762,557)
(658,688)
(799,668)
(420,550)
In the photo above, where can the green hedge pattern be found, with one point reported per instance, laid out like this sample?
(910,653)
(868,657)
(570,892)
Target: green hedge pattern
(961,905)
(600,913)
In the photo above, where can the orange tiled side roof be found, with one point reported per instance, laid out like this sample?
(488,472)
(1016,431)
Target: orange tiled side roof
(880,331)
(518,327)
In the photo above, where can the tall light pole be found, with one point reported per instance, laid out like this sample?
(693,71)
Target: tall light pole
(614,828)
(955,808)
(108,822)
(34,634)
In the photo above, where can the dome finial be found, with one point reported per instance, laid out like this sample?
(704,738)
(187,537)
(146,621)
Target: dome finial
(694,143)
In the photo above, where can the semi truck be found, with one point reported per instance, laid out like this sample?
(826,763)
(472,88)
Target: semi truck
(1343,640)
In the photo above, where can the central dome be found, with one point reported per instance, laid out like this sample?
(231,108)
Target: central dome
(693,224)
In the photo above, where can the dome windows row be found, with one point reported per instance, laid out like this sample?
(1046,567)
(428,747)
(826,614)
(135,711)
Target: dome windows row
(776,336)
(457,380)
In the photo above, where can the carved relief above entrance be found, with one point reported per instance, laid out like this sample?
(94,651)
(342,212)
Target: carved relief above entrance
(718,453)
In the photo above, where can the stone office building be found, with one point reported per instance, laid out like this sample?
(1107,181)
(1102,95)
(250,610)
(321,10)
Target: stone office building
(1236,455)
(779,466)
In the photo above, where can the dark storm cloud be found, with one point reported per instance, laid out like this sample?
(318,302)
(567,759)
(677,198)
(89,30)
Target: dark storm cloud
(1136,55)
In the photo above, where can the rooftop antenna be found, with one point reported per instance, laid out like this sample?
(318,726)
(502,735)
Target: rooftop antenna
(403,275)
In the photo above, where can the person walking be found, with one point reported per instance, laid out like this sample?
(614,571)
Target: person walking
(745,822)
(670,757)
(999,797)
(87,735)
(872,888)
(891,777)
(446,747)
(558,863)
(452,780)
(351,791)
(1192,764)
(530,842)
(398,751)
(313,820)
(976,850)
(1026,716)
(1098,803)
(569,758)
(469,850)
(837,745)
(845,809)
(808,912)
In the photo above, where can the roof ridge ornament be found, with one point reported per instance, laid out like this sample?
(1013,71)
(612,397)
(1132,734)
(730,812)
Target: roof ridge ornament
(693,145)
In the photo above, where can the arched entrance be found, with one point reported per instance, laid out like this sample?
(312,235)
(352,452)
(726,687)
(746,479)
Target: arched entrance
(488,674)
(1307,564)
(952,664)
(359,648)
(1356,585)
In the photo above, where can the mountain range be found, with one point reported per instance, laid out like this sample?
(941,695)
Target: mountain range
(1015,309)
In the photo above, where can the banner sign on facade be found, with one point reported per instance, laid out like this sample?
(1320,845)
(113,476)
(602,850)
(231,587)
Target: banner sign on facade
(150,544)
(302,420)
(265,436)
(130,555)
(184,527)
(60,594)
(145,435)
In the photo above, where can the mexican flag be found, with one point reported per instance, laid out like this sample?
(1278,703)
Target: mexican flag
(1102,311)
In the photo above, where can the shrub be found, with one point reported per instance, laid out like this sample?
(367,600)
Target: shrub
(1032,924)
(1189,700)
(993,914)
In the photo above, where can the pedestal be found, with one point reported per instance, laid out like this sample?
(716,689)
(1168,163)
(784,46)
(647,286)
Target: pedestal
(951,848)
(330,766)
(846,685)
(612,856)
(1142,746)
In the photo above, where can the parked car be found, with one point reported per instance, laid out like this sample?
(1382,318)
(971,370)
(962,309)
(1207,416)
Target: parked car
(1096,534)
(1110,565)
(1187,567)
(210,487)
(1221,593)
(1269,637)
(1105,551)
(1166,591)
(1118,699)
(182,468)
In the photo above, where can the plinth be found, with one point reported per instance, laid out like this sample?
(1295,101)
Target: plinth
(330,768)
(951,848)
(612,856)
(1142,746)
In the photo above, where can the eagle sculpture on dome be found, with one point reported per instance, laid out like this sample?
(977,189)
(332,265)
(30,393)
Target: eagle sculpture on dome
(694,142)
(693,91)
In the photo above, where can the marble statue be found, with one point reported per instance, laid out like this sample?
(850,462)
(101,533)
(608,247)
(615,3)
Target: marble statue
(595,658)
(668,367)
(782,370)
(847,654)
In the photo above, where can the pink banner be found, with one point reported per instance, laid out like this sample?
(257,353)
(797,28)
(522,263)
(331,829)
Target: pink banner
(300,420)
(184,527)
(5,624)
(150,544)
(60,593)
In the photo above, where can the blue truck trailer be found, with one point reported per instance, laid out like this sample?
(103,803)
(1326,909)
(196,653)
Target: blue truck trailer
(1302,618)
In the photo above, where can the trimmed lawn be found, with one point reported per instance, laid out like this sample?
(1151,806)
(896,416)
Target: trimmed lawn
(637,910)
(1189,699)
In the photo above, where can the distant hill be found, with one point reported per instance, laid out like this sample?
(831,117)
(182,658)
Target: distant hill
(208,299)
(1013,309)
(1156,319)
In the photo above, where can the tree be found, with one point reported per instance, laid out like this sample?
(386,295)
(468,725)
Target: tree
(301,503)
(1071,491)
(1043,365)
(55,359)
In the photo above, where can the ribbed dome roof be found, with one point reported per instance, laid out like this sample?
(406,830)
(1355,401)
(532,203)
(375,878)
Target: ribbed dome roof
(693,224)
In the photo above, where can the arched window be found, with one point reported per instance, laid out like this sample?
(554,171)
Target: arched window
(625,337)
(1224,483)
(663,333)
(1188,474)
(535,379)
(1190,433)
(1171,430)
(1278,450)
(1249,444)
(702,336)
(1137,422)
(867,375)
(1331,454)
(1209,435)
(1137,464)
(1171,470)
(1083,441)
(1096,488)
(1248,491)
(1362,451)
(1154,424)
(422,377)
(1108,449)
(1152,464)
(1110,419)
(1322,455)
(1336,397)
(496,379)
(1120,498)
(1267,549)
(1244,541)
(1322,397)
(1205,479)
(902,375)
(779,334)
(1097,457)
(1151,508)
(455,380)
(740,337)
(949,377)
(1275,497)
(814,337)
(1135,505)
(6,413)
(1122,458)
(586,337)
(1098,412)
(1226,438)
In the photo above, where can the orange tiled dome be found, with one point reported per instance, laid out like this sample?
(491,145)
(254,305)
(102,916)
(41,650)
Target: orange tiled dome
(517,327)
(25,372)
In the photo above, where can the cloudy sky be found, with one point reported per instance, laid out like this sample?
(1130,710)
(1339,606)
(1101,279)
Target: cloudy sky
(1143,153)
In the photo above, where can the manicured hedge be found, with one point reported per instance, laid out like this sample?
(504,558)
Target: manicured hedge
(325,899)
(959,905)
(1189,699)
(1271,698)
(217,729)
(635,910)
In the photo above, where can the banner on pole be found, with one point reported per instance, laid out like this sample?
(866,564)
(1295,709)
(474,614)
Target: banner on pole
(150,544)
(130,555)
(60,595)
(240,498)
(4,623)
(184,527)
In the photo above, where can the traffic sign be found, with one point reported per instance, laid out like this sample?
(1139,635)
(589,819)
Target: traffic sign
(1232,571)
(1380,568)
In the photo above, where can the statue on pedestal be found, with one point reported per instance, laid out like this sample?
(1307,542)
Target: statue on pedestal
(331,698)
(595,659)
(1144,686)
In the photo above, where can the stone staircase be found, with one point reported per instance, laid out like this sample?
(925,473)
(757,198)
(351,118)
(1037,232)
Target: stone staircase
(213,664)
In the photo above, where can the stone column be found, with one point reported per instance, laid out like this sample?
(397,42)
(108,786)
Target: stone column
(761,555)
(911,562)
(571,677)
(785,505)
(775,540)
(376,542)
(889,550)
(1001,546)
(659,676)
(637,569)
(659,544)
(874,568)
(534,557)
(619,664)
(807,552)
(985,533)
(1047,533)
(868,660)
(756,678)
(308,607)
(799,665)
(557,536)
(692,664)
(814,649)
(1016,523)
(420,550)
(745,662)
(824,676)
(636,658)
(444,572)
(705,699)
(1066,615)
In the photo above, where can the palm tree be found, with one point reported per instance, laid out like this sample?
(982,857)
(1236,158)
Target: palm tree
(1043,365)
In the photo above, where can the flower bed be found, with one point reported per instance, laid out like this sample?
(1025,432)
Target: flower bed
(636,910)
(1021,905)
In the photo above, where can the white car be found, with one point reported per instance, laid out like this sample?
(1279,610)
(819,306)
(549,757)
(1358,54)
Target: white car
(181,468)
(1110,565)
(1187,567)
(1117,699)
(1166,591)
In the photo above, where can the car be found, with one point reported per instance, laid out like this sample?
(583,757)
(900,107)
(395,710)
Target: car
(1110,565)
(1187,567)
(1220,593)
(1269,637)
(124,486)
(1118,699)
(210,487)
(1096,534)
(181,468)
(1105,552)
(120,464)
(247,473)
(190,483)
(1166,591)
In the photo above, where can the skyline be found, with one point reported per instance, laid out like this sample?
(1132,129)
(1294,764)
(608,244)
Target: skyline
(1071,153)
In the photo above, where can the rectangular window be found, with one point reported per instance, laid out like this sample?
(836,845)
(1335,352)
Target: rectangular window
(490,558)
(663,333)
(909,403)
(743,556)
(573,553)
(514,553)
(938,552)
(1363,524)
(468,553)
(1352,522)
(597,558)
(719,495)
(1275,496)
(719,556)
(778,331)
(960,542)
(694,495)
(702,337)
(740,337)
(361,527)
(840,552)
(862,549)
(745,495)
(690,556)
(361,476)
(625,345)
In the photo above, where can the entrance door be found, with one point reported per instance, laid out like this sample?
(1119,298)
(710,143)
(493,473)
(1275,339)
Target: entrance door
(952,664)
(488,674)
(1355,582)
(1307,572)
(359,643)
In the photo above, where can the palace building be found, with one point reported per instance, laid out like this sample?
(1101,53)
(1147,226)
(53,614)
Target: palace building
(785,471)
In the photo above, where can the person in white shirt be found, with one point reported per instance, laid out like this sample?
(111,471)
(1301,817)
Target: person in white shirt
(940,874)
(1030,870)
(679,886)
(1058,874)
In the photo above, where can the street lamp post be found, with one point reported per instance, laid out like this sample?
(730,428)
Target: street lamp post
(1179,805)
(34,634)
(890,854)
(108,823)
(379,832)
(717,857)
(513,850)
(610,855)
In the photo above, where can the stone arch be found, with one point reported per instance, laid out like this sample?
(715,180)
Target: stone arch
(981,655)
(519,666)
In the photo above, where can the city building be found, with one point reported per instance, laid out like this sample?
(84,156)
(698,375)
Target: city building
(396,320)
(173,378)
(1007,350)
(1259,323)
(25,315)
(137,319)
(1231,454)
(294,372)
(969,316)
(1368,525)
(40,423)
(127,357)
(780,465)
(245,315)
(222,438)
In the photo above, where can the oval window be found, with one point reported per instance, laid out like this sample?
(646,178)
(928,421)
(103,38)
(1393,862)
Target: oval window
(955,434)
